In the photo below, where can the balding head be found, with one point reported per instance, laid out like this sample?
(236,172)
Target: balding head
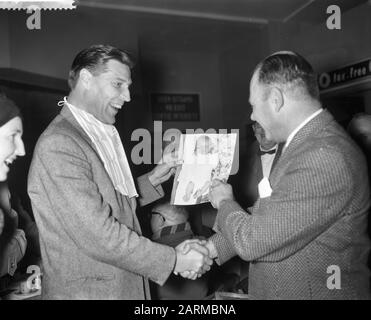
(291,73)
(283,93)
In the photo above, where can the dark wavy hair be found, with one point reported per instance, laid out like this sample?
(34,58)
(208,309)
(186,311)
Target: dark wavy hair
(95,58)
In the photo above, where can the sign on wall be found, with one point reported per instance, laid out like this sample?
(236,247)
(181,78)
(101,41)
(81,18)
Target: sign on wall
(175,106)
(345,76)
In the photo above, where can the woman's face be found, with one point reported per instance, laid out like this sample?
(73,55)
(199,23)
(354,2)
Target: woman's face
(11,145)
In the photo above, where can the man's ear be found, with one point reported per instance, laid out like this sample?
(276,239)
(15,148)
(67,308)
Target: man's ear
(276,98)
(85,78)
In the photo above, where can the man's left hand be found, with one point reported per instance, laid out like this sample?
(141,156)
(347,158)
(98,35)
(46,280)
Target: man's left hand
(166,167)
(220,191)
(162,172)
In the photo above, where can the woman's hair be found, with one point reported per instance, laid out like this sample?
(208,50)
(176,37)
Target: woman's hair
(8,109)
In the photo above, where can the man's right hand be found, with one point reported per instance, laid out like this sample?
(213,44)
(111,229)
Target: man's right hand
(220,191)
(197,245)
(192,259)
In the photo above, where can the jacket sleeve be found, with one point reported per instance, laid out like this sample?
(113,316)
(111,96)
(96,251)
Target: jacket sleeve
(12,252)
(13,243)
(224,249)
(308,199)
(147,192)
(75,201)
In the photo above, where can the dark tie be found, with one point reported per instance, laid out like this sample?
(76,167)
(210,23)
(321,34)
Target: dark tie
(262,153)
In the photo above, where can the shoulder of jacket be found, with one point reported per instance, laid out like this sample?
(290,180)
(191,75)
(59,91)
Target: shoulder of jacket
(60,133)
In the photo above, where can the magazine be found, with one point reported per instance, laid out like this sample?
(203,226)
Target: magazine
(204,157)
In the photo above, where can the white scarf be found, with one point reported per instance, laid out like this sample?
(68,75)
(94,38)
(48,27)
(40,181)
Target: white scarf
(107,141)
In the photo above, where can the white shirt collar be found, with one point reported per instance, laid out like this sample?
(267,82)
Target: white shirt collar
(301,125)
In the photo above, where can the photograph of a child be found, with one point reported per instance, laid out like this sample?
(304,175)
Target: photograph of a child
(205,157)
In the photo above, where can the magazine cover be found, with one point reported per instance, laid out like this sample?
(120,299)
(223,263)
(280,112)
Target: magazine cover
(205,157)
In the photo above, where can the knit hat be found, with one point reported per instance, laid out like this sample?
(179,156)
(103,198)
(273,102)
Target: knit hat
(8,110)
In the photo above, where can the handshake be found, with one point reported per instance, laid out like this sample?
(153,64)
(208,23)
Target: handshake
(194,258)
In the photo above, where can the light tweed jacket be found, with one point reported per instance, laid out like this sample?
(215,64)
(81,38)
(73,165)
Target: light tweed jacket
(90,238)
(316,217)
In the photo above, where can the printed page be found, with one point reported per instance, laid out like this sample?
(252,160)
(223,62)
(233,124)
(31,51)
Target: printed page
(205,157)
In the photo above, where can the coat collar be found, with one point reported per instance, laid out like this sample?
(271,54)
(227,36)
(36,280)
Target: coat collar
(68,116)
(311,129)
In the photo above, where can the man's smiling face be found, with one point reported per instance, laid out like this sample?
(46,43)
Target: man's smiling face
(108,91)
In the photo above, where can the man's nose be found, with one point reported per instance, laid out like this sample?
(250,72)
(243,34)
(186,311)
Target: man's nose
(125,95)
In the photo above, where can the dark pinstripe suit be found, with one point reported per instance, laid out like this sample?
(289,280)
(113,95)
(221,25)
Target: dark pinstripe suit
(315,217)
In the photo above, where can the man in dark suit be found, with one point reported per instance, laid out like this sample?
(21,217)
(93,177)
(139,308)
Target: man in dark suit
(266,152)
(306,235)
(257,162)
(359,129)
(84,197)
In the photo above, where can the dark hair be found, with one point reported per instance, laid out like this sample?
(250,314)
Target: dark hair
(94,58)
(289,70)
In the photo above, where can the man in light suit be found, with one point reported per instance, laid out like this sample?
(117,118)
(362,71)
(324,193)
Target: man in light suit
(84,197)
(306,235)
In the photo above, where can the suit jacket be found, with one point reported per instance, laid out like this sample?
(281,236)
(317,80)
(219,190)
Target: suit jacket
(90,238)
(315,218)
